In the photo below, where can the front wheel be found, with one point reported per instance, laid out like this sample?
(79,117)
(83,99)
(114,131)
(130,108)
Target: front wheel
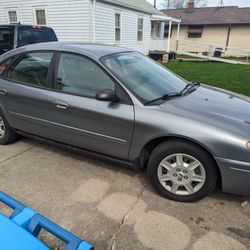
(182,171)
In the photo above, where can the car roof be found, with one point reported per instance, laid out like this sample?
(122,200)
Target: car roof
(95,51)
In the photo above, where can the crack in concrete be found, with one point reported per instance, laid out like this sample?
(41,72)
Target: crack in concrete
(12,157)
(123,221)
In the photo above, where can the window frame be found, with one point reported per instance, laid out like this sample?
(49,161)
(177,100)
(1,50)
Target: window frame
(195,35)
(120,27)
(121,92)
(140,30)
(43,8)
(8,10)
(15,58)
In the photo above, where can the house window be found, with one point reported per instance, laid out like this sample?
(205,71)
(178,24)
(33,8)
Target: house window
(140,30)
(12,16)
(152,29)
(40,16)
(195,31)
(117,27)
(166,32)
(155,29)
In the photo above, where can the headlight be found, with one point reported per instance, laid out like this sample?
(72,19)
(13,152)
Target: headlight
(248,145)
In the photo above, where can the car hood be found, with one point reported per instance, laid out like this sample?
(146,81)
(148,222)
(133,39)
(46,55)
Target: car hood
(212,106)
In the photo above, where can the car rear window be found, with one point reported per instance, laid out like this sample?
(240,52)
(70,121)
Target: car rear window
(29,35)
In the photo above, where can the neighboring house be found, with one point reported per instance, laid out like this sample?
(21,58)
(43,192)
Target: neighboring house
(218,26)
(132,23)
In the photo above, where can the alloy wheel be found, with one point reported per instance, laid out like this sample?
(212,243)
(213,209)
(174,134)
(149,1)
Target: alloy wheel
(181,174)
(2,128)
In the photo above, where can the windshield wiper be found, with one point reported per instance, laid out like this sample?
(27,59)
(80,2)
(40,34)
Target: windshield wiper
(190,87)
(164,97)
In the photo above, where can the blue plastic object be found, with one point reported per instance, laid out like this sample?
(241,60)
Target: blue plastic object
(21,229)
(13,237)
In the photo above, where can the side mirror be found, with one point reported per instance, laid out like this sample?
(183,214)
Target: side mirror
(107,95)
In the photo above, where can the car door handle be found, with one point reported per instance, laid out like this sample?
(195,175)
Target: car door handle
(61,104)
(3,91)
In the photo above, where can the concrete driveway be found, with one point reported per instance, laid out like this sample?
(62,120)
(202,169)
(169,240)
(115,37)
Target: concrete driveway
(116,208)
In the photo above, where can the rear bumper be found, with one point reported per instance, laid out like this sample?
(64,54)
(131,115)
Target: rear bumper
(235,176)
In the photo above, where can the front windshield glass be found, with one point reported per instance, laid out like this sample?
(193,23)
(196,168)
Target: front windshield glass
(145,78)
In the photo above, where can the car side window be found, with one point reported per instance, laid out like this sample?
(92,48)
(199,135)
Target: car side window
(79,75)
(31,69)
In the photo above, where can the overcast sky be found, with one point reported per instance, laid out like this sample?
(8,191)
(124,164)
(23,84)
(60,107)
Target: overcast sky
(241,3)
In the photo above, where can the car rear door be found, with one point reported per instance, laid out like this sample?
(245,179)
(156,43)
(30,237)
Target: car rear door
(24,92)
(79,119)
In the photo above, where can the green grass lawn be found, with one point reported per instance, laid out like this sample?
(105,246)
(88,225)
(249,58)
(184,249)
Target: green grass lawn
(227,76)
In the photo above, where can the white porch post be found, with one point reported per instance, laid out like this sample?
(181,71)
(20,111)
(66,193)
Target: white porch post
(178,36)
(162,36)
(169,35)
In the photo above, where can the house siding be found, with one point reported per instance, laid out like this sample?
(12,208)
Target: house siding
(105,27)
(73,21)
(69,19)
(240,36)
(214,35)
(210,35)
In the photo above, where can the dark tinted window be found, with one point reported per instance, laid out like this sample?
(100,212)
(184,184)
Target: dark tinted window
(79,75)
(31,69)
(49,35)
(24,36)
(6,36)
(29,35)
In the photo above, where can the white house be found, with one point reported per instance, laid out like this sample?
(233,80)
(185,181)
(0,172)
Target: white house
(132,23)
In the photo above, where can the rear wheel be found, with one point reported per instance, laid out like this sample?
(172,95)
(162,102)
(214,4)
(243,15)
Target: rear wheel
(182,171)
(7,134)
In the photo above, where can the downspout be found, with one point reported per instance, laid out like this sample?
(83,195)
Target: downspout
(228,35)
(94,31)
(178,36)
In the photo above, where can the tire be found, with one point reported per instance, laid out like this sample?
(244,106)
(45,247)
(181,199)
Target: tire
(182,171)
(7,134)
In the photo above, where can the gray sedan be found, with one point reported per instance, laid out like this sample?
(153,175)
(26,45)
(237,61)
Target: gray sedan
(118,105)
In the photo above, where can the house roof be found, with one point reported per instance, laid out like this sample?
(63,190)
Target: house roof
(211,15)
(141,5)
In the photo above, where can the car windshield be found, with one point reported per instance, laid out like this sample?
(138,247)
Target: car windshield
(147,79)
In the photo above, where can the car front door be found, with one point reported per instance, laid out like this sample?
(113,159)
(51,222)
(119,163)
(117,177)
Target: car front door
(24,96)
(81,120)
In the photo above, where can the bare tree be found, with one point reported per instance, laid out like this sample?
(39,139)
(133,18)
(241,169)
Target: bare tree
(176,4)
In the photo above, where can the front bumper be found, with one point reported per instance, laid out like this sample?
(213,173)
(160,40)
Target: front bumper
(235,176)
